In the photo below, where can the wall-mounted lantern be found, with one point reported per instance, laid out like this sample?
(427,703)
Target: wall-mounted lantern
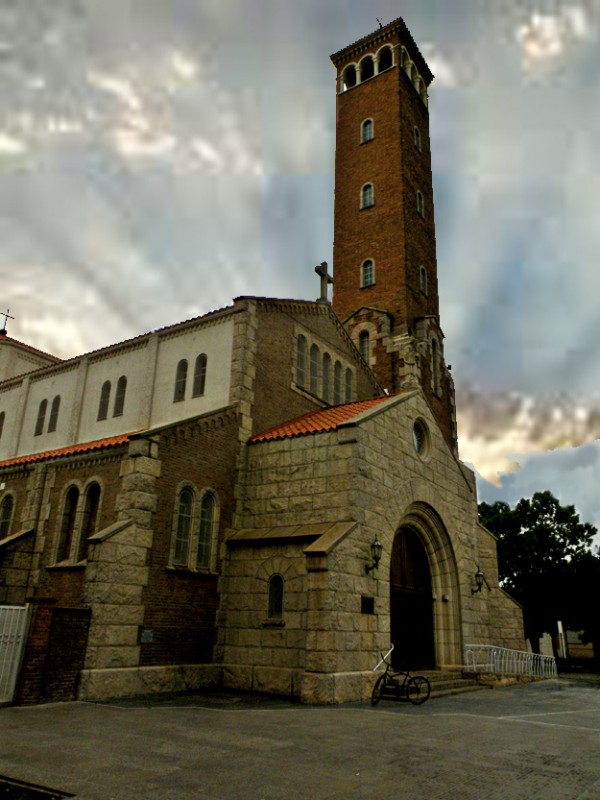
(376,548)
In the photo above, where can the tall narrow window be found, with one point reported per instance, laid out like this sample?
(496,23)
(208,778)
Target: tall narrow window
(367,131)
(41,417)
(180,381)
(417,135)
(314,369)
(54,409)
(337,383)
(364,345)
(205,531)
(301,360)
(423,279)
(326,377)
(181,546)
(104,398)
(275,607)
(367,68)
(90,517)
(420,204)
(119,406)
(367,196)
(200,375)
(2,417)
(348,386)
(67,524)
(349,77)
(385,59)
(6,509)
(367,273)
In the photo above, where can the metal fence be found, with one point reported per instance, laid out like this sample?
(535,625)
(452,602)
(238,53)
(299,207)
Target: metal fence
(14,622)
(502,661)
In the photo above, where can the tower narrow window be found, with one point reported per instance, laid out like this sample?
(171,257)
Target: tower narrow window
(200,375)
(54,409)
(180,381)
(104,398)
(367,196)
(385,59)
(41,417)
(67,524)
(326,377)
(275,604)
(348,386)
(420,203)
(205,531)
(314,369)
(423,279)
(417,136)
(6,509)
(367,68)
(301,360)
(90,517)
(349,77)
(181,545)
(364,345)
(337,383)
(2,417)
(367,131)
(367,273)
(119,406)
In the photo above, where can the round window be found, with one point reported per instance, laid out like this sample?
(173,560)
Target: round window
(421,437)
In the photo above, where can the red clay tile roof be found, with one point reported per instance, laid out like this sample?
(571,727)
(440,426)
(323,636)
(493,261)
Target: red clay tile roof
(319,421)
(64,452)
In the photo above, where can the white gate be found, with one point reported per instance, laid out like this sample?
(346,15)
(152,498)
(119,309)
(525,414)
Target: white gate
(14,622)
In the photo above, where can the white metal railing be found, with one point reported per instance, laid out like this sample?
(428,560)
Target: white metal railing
(502,661)
(13,634)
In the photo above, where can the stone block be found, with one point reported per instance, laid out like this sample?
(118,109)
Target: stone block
(110,614)
(237,676)
(317,689)
(114,594)
(129,554)
(273,680)
(108,657)
(123,574)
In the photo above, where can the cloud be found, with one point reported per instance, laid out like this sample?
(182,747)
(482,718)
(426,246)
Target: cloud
(544,38)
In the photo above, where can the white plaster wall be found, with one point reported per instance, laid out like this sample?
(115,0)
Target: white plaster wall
(10,404)
(15,362)
(62,383)
(216,341)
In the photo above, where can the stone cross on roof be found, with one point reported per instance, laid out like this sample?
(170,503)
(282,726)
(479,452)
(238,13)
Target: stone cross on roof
(326,279)
(7,316)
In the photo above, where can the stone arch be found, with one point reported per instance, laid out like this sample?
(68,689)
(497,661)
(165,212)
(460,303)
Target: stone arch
(426,523)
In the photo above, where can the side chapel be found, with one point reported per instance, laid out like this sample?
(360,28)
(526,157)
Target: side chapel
(201,505)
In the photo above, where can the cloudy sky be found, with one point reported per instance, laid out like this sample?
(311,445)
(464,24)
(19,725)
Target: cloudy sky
(160,157)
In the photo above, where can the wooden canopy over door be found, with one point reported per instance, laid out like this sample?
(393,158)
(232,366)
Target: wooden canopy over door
(411,606)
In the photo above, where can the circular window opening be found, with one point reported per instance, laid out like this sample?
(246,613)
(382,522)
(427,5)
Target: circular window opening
(421,438)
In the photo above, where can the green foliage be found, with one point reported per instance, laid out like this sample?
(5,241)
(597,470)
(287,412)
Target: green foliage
(545,562)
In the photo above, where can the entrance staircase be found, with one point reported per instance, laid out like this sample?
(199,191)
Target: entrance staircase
(445,682)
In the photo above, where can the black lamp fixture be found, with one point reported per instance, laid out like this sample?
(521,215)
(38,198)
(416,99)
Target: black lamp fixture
(376,548)
(480,580)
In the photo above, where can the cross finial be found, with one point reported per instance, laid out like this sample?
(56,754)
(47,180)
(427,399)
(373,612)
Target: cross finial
(7,316)
(326,279)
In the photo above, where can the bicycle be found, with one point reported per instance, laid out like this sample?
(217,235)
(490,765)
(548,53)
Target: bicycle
(395,684)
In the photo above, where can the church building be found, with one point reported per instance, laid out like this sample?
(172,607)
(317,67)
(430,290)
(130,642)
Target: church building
(266,496)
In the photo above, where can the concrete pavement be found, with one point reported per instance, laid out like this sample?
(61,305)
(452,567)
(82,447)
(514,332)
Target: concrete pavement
(529,741)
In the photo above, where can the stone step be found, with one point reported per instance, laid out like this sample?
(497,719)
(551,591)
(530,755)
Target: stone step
(444,683)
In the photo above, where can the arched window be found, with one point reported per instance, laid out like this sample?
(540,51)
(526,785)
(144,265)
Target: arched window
(417,136)
(90,518)
(326,377)
(6,509)
(119,406)
(367,68)
(200,375)
(367,196)
(54,409)
(2,417)
(67,524)
(348,386)
(337,383)
(104,398)
(364,345)
(314,369)
(367,131)
(385,59)
(420,203)
(41,417)
(183,526)
(367,273)
(180,381)
(423,279)
(275,606)
(205,530)
(301,360)
(349,77)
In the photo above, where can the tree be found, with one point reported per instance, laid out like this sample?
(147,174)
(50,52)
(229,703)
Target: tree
(541,545)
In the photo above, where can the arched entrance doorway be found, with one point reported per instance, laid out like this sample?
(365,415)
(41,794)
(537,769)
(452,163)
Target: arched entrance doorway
(411,604)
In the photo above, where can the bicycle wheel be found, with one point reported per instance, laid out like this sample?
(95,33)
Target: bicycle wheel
(377,692)
(418,690)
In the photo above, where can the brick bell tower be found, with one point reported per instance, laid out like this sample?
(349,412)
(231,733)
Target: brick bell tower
(385,271)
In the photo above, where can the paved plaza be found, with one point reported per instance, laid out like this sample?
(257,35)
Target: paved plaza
(530,741)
